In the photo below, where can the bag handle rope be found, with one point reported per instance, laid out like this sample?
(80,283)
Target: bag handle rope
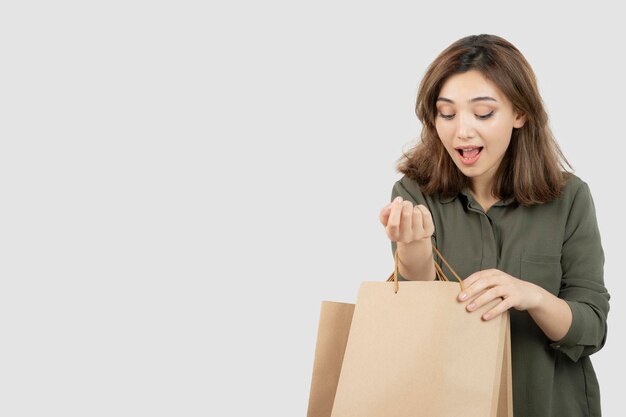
(440,274)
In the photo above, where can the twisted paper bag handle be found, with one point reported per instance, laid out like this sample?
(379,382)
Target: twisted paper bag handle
(442,277)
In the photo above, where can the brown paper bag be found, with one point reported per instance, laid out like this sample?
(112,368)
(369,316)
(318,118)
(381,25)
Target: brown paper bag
(411,349)
(332,336)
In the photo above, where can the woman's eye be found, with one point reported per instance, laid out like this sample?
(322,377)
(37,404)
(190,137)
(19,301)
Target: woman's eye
(450,116)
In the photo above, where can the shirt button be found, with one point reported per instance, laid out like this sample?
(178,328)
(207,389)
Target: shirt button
(557,346)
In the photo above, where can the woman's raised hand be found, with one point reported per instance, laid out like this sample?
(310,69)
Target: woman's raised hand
(405,223)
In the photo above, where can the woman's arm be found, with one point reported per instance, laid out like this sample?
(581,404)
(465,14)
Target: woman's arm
(582,284)
(552,314)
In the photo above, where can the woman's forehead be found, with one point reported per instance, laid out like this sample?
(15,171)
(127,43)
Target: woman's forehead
(468,88)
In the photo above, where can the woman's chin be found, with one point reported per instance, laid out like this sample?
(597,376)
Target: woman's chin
(467,171)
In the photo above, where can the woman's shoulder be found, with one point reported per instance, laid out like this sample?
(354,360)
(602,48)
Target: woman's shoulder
(573,185)
(575,196)
(409,184)
(410,188)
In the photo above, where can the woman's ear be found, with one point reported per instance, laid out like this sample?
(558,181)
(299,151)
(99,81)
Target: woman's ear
(520,119)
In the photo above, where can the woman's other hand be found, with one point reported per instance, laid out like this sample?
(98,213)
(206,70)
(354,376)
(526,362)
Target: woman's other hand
(405,223)
(484,286)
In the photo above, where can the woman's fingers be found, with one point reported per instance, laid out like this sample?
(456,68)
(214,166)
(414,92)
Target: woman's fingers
(417,223)
(405,222)
(428,226)
(406,218)
(486,297)
(498,309)
(384,214)
(393,224)
(423,226)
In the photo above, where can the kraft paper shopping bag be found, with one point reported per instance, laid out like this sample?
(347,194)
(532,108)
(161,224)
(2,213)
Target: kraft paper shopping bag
(411,349)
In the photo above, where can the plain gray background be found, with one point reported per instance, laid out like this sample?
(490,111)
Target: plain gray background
(182,184)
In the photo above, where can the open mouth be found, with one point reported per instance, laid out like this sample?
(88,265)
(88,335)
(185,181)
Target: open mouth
(469,153)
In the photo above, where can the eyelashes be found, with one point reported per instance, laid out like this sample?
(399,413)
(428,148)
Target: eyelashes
(481,117)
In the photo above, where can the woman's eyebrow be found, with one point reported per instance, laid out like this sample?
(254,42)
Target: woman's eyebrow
(483,98)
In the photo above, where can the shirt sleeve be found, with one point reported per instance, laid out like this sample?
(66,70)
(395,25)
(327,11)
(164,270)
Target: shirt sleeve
(416,198)
(582,284)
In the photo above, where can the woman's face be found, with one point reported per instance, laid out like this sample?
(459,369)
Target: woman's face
(475,122)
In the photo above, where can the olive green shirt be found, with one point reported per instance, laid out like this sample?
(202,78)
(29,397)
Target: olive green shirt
(555,245)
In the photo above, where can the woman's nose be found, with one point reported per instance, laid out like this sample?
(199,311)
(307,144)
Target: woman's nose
(465,127)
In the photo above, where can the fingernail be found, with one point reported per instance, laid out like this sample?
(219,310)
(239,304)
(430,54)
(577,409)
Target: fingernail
(471,306)
(463,296)
(487,316)
(398,199)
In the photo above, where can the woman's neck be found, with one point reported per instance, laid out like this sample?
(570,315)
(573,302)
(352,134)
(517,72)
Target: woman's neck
(481,190)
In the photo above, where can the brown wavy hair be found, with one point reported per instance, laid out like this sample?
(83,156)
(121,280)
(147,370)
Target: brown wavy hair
(533,169)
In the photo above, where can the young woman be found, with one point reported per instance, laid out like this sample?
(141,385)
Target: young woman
(488,185)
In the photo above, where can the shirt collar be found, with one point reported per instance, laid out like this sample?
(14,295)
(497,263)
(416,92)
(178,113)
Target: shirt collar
(468,196)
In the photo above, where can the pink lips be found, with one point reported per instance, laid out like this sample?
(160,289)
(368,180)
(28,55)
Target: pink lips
(468,155)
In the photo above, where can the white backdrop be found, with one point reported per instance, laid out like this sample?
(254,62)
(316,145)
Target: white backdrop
(182,184)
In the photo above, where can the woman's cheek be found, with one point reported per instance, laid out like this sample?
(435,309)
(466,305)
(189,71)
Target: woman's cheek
(443,133)
(446,139)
